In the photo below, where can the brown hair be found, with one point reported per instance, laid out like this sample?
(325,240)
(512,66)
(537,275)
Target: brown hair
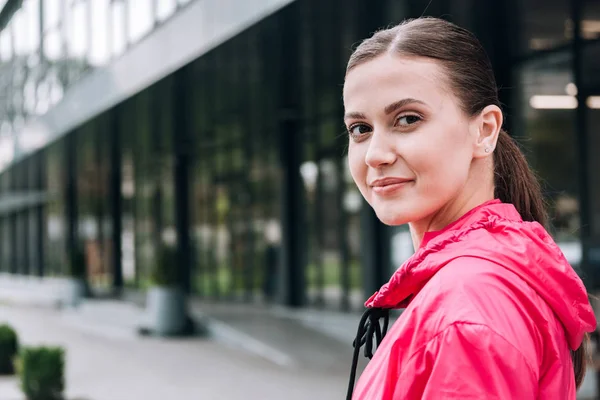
(471,78)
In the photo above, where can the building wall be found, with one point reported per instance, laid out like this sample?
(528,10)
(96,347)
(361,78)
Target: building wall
(239,158)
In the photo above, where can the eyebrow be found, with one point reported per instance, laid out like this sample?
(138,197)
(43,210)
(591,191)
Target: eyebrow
(388,109)
(354,115)
(399,104)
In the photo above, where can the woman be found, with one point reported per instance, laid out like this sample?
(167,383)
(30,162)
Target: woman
(492,308)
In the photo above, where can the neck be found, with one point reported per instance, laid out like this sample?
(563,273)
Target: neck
(446,215)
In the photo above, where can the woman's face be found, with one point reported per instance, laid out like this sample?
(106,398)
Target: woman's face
(411,146)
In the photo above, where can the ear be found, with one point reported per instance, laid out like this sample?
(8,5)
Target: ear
(488,125)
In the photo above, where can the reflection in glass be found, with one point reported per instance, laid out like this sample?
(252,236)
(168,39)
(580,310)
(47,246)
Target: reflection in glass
(235,187)
(5,228)
(546,130)
(6,244)
(590,24)
(591,66)
(543,24)
(591,82)
(55,218)
(145,186)
(594,138)
(333,218)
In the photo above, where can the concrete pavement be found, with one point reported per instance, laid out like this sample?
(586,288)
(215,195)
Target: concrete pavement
(253,353)
(119,368)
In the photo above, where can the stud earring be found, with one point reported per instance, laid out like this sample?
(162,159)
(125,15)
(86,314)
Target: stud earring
(487,149)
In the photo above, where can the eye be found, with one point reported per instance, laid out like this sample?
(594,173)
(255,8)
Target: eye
(407,120)
(357,130)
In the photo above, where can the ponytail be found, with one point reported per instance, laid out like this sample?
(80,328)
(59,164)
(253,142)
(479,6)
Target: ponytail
(516,184)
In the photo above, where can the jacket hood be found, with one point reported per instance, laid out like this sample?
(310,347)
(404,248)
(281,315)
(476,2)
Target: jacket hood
(495,231)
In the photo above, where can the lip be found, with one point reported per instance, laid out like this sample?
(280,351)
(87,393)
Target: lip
(386,186)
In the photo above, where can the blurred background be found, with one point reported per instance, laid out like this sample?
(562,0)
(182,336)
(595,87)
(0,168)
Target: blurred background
(214,128)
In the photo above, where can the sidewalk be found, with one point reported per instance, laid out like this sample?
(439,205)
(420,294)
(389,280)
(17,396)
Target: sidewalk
(253,352)
(121,368)
(30,290)
(282,336)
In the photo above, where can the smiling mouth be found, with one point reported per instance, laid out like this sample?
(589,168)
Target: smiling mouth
(389,186)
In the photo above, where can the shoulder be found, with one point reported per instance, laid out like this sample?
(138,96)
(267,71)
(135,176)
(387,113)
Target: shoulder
(472,291)
(451,365)
(468,281)
(477,279)
(477,290)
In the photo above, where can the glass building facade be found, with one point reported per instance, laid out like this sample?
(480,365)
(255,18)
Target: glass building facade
(238,153)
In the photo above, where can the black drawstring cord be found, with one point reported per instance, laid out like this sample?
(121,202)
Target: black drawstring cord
(367,328)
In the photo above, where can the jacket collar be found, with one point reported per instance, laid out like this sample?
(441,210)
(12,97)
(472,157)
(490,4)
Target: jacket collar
(427,260)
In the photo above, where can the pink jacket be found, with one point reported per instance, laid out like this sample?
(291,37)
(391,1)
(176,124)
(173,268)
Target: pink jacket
(492,310)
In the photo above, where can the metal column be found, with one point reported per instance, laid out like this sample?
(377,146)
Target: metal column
(71,198)
(293,238)
(116,200)
(590,275)
(182,147)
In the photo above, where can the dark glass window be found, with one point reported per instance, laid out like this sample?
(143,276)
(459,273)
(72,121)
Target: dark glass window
(543,24)
(56,223)
(546,129)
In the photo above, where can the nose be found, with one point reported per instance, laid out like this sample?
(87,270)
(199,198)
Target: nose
(381,150)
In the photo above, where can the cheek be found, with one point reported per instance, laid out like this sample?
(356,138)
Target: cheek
(444,167)
(357,165)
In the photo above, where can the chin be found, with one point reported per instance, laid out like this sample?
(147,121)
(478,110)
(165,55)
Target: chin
(393,220)
(394,212)
(392,216)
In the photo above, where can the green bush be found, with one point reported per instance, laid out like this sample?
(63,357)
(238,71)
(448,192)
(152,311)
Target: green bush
(41,370)
(9,346)
(164,271)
